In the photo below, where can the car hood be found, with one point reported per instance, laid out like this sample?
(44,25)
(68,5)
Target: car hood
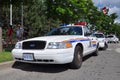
(55,38)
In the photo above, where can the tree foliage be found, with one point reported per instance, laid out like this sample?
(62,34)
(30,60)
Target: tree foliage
(65,10)
(43,15)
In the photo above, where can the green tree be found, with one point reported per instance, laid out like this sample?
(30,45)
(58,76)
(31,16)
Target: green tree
(65,10)
(108,23)
(34,16)
(113,16)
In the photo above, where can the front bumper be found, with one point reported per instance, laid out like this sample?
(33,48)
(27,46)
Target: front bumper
(47,56)
(101,44)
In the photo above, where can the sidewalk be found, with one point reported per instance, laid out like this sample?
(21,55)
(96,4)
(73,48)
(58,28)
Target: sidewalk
(5,65)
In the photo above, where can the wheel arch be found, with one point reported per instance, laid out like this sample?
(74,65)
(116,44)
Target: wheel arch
(81,45)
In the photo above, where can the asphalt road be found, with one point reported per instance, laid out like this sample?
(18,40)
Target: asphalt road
(106,66)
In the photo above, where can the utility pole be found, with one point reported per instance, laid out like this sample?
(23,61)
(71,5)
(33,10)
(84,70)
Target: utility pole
(22,14)
(10,12)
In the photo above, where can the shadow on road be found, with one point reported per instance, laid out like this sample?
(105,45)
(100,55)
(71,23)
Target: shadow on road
(46,68)
(87,57)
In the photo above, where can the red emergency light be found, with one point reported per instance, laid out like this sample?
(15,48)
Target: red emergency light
(80,23)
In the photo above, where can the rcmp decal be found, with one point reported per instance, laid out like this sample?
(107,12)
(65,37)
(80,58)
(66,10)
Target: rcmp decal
(92,43)
(77,40)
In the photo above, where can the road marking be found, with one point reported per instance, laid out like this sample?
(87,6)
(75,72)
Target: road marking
(117,50)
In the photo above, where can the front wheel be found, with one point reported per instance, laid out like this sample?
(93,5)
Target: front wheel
(77,60)
(95,53)
(106,46)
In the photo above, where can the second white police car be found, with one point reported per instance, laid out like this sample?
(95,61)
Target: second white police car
(60,46)
(103,43)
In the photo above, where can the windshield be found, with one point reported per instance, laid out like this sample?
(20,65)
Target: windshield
(66,31)
(99,35)
(110,36)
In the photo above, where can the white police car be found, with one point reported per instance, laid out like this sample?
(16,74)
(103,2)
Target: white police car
(60,46)
(112,39)
(103,43)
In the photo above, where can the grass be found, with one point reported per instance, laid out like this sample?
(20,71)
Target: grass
(5,56)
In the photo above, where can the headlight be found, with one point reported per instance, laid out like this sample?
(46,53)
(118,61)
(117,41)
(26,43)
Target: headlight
(59,45)
(18,46)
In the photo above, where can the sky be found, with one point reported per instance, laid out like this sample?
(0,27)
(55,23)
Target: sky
(114,6)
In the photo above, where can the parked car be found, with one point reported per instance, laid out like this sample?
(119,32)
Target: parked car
(112,39)
(103,43)
(68,44)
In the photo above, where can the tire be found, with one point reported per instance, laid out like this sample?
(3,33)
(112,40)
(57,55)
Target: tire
(105,47)
(77,60)
(96,51)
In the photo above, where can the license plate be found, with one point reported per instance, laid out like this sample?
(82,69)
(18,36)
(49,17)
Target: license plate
(28,56)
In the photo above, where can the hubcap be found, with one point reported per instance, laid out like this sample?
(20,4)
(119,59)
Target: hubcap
(79,57)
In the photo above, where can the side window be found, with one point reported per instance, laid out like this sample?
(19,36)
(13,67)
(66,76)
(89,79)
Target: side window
(79,31)
(76,31)
(86,31)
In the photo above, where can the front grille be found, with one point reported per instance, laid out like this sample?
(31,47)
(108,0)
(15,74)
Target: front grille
(37,60)
(34,45)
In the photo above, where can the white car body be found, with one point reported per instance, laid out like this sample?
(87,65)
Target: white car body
(112,38)
(103,43)
(54,56)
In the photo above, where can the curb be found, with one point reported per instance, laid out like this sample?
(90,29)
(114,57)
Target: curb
(5,65)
